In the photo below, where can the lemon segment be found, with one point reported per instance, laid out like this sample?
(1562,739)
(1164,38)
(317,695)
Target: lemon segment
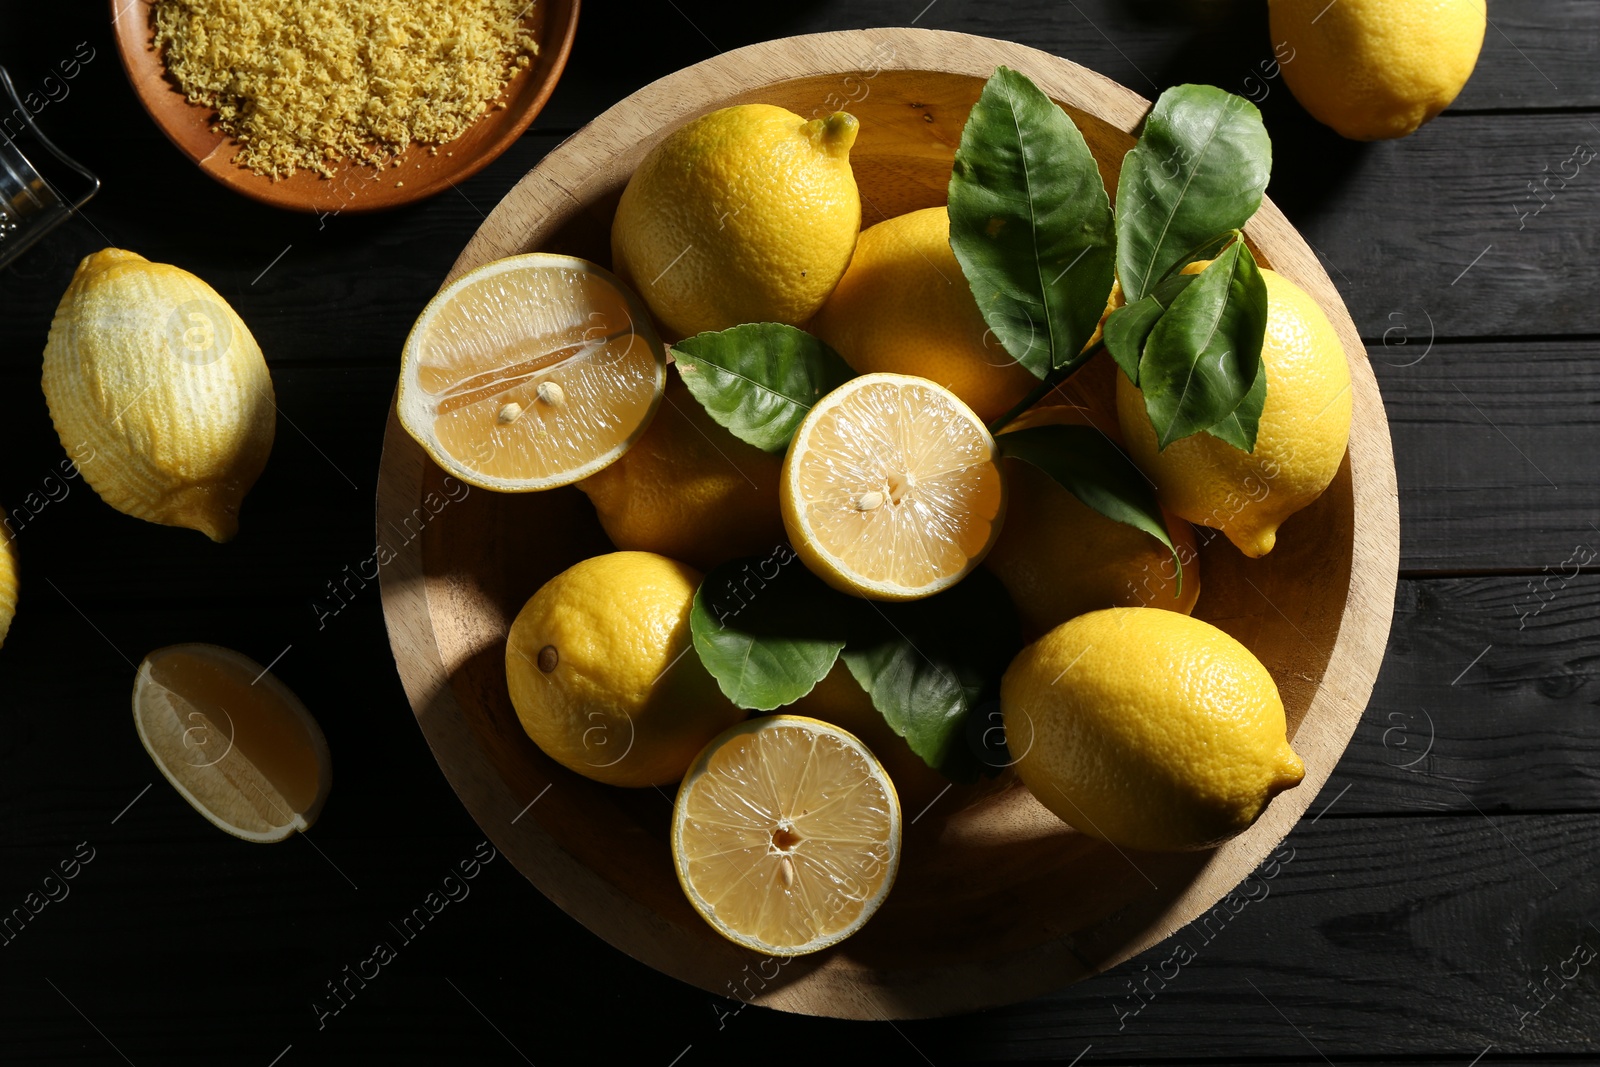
(786,834)
(747,214)
(157,384)
(530,372)
(8,578)
(891,488)
(602,675)
(233,740)
(1147,728)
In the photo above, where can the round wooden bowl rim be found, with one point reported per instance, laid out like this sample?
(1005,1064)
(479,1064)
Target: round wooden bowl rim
(147,73)
(840,988)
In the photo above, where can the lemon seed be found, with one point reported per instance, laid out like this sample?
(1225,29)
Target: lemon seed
(510,413)
(551,393)
(869,501)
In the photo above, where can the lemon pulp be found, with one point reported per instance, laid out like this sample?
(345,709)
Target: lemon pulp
(891,488)
(786,834)
(531,372)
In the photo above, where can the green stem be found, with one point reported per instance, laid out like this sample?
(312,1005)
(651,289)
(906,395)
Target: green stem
(1045,386)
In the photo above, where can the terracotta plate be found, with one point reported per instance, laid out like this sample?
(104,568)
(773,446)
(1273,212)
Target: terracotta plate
(354,188)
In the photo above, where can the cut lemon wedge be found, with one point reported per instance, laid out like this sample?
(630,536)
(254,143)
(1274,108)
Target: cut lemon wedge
(234,741)
(891,489)
(786,834)
(530,372)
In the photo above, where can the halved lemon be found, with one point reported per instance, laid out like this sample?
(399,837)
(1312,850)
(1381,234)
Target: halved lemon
(786,834)
(531,372)
(235,742)
(891,488)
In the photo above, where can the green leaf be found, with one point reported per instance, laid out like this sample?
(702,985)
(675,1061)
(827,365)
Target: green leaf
(1199,170)
(1092,468)
(1031,224)
(759,379)
(926,663)
(1201,359)
(1129,325)
(1239,428)
(767,629)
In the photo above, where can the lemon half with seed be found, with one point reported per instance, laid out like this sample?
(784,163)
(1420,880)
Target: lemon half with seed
(786,834)
(891,488)
(530,373)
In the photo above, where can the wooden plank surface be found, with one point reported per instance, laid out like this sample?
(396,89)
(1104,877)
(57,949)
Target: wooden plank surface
(1454,864)
(1321,952)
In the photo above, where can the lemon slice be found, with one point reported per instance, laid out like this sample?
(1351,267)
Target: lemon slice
(530,372)
(786,834)
(891,489)
(234,741)
(8,578)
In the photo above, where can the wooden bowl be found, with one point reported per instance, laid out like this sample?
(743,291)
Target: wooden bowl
(1000,901)
(354,188)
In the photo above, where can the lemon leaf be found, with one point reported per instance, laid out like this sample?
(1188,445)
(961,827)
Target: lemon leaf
(1203,357)
(759,380)
(1031,224)
(926,663)
(766,628)
(1199,169)
(1240,427)
(1087,464)
(1129,325)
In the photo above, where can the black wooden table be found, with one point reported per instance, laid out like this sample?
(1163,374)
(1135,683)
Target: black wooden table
(1441,905)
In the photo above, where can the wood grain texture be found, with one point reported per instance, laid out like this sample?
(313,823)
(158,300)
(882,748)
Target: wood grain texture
(450,597)
(1491,446)
(1379,939)
(1538,54)
(198,949)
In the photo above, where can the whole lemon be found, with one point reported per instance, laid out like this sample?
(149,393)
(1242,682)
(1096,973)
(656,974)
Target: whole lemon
(8,578)
(689,489)
(1375,69)
(1304,429)
(602,674)
(748,214)
(157,380)
(905,307)
(1147,728)
(1058,557)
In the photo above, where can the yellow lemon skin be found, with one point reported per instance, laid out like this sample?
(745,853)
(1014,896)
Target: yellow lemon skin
(689,489)
(602,676)
(1304,430)
(8,578)
(1147,728)
(1059,558)
(748,214)
(905,307)
(1376,69)
(158,385)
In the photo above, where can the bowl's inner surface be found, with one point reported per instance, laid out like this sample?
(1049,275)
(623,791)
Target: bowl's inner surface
(998,876)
